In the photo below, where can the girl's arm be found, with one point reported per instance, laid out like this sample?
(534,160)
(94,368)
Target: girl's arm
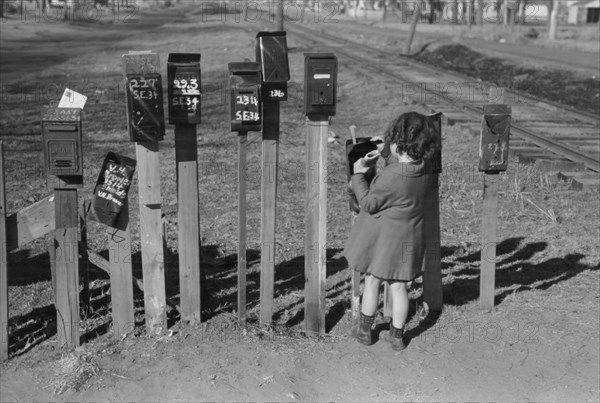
(375,198)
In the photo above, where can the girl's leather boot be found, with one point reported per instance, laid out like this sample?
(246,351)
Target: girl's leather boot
(396,338)
(362,330)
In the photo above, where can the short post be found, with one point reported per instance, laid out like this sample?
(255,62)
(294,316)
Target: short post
(245,115)
(271,54)
(3,264)
(110,206)
(432,264)
(320,81)
(146,125)
(493,159)
(63,160)
(184,111)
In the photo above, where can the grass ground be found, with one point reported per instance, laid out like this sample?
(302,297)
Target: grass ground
(540,343)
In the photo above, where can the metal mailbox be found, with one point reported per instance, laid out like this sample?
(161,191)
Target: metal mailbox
(272,56)
(62,138)
(184,85)
(493,141)
(245,97)
(320,82)
(354,152)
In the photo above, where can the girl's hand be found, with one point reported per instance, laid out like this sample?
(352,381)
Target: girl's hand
(360,167)
(379,142)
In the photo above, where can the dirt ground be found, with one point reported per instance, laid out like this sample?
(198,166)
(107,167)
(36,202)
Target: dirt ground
(540,343)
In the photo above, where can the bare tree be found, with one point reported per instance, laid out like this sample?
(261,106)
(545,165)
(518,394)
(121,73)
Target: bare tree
(279,16)
(553,20)
(413,25)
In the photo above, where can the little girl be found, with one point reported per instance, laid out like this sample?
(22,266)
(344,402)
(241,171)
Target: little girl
(387,241)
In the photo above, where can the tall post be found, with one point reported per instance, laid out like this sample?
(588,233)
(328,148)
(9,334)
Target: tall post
(268,206)
(493,159)
(245,115)
(272,57)
(316,226)
(242,222)
(146,124)
(432,264)
(3,263)
(184,111)
(320,87)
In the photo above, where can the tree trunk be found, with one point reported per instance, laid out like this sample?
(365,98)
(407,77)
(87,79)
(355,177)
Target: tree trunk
(479,13)
(279,16)
(469,13)
(304,5)
(413,26)
(553,20)
(384,11)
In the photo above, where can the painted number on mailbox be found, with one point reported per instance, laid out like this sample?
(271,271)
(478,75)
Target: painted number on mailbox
(145,100)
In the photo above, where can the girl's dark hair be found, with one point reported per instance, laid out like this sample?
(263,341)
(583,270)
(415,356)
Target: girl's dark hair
(415,134)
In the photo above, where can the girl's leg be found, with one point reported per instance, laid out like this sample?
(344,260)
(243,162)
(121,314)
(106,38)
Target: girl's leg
(370,298)
(399,303)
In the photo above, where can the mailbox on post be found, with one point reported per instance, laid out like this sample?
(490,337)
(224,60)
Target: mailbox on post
(272,56)
(245,93)
(493,142)
(61,134)
(143,86)
(320,82)
(183,73)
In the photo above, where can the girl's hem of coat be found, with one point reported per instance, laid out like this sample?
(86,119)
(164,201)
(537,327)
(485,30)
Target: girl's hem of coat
(419,274)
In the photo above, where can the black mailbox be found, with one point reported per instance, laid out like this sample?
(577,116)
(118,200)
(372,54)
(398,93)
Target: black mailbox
(354,152)
(320,82)
(245,97)
(493,141)
(61,134)
(145,104)
(183,72)
(272,55)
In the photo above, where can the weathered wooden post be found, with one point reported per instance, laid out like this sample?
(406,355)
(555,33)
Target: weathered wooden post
(432,264)
(146,123)
(320,82)
(63,162)
(110,206)
(183,71)
(245,115)
(272,56)
(493,159)
(3,264)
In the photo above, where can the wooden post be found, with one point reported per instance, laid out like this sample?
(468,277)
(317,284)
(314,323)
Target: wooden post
(153,262)
(432,264)
(121,280)
(188,221)
(241,260)
(268,205)
(85,293)
(67,267)
(487,278)
(315,247)
(3,264)
(354,275)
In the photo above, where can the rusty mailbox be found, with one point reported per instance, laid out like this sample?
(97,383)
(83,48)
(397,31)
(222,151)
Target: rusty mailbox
(245,97)
(320,82)
(272,56)
(184,85)
(62,138)
(493,141)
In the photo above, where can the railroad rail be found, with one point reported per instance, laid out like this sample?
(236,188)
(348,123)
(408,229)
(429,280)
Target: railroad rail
(578,139)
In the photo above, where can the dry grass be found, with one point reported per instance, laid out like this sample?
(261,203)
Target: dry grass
(72,372)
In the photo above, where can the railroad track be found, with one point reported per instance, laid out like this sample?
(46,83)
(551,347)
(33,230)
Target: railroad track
(558,137)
